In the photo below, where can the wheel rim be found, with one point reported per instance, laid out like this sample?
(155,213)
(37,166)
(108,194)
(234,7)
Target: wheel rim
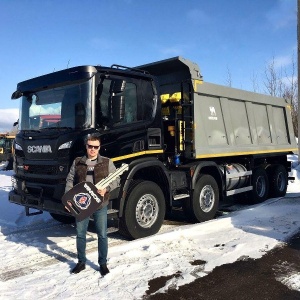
(280,182)
(147,211)
(261,186)
(207,198)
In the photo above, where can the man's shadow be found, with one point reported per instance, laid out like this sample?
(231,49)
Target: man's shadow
(55,241)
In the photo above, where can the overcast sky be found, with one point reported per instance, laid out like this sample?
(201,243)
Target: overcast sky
(223,37)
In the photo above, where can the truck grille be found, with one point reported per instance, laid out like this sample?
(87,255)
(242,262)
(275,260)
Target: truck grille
(43,170)
(47,191)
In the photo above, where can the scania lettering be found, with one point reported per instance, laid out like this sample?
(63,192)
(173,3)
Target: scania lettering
(39,149)
(92,193)
(188,143)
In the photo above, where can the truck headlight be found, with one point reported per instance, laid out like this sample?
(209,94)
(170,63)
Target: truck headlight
(18,147)
(66,145)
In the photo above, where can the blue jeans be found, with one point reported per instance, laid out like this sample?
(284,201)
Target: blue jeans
(100,221)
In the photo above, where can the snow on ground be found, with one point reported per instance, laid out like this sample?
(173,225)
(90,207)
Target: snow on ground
(37,253)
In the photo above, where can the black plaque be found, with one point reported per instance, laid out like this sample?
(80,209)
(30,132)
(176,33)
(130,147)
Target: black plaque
(82,200)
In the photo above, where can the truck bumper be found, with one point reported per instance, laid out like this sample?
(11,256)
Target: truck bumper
(43,204)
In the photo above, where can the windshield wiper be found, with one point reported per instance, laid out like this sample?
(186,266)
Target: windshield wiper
(57,128)
(30,131)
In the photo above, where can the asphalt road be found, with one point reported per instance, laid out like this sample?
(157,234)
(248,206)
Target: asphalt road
(243,280)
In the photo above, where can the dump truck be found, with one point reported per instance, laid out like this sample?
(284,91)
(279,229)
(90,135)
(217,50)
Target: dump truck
(6,151)
(189,144)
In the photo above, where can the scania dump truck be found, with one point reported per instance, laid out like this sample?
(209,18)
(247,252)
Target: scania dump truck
(188,143)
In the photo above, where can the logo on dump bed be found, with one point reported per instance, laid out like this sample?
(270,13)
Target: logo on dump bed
(82,200)
(213,114)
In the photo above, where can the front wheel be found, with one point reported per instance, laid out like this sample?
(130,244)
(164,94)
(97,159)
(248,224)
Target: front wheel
(10,163)
(144,210)
(205,201)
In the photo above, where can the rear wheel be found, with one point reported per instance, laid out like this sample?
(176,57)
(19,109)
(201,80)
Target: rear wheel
(278,181)
(260,184)
(144,210)
(205,201)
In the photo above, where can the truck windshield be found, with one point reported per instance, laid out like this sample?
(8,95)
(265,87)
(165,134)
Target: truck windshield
(63,107)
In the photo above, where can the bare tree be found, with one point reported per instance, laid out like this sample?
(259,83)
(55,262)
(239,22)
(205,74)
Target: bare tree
(283,86)
(228,78)
(290,93)
(255,85)
(273,80)
(294,108)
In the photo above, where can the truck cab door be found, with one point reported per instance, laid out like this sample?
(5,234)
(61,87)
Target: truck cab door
(121,108)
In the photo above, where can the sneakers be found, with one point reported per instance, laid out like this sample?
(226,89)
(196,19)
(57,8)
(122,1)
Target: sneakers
(104,270)
(78,268)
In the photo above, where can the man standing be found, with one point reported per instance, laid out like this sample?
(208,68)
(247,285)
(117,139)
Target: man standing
(92,167)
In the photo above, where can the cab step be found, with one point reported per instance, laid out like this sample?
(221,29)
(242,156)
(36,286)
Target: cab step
(181,196)
(112,220)
(112,213)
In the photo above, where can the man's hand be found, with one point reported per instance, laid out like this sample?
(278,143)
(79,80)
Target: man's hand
(102,192)
(70,204)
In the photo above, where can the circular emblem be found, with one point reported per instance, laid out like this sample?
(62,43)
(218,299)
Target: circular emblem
(82,200)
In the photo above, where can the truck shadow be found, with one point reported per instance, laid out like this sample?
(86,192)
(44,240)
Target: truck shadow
(276,218)
(55,243)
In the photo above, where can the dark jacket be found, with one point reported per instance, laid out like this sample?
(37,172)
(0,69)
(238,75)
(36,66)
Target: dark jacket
(102,169)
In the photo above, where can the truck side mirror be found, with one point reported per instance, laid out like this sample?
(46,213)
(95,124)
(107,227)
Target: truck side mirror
(117,86)
(16,95)
(118,108)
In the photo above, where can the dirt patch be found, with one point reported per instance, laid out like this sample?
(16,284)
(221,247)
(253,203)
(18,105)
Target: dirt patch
(243,280)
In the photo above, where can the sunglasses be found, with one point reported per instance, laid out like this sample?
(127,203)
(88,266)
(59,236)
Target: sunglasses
(92,146)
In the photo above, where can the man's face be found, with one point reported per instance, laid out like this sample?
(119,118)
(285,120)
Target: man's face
(92,149)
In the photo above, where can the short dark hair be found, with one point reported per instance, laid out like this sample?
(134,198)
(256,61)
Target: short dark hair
(92,137)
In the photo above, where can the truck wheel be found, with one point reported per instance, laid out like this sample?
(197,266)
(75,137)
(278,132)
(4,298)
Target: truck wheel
(205,202)
(10,163)
(144,210)
(278,181)
(260,184)
(62,218)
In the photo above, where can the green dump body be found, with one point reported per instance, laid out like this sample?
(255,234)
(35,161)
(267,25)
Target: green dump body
(223,121)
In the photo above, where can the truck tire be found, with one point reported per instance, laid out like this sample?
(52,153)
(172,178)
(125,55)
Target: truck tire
(205,201)
(144,210)
(278,181)
(260,184)
(62,218)
(10,163)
